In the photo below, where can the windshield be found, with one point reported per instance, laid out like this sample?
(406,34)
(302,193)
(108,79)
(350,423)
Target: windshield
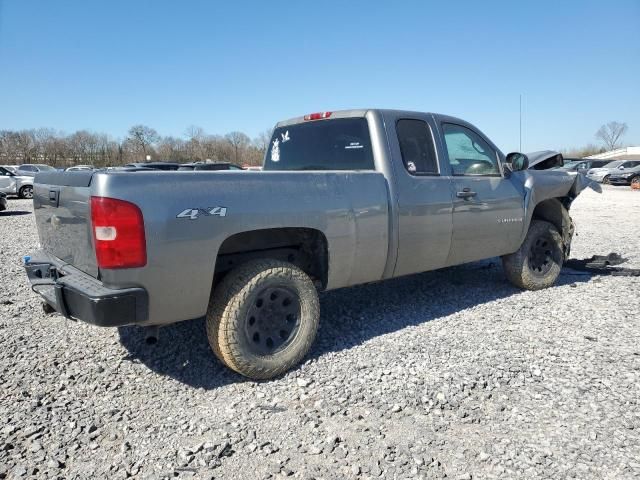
(45,167)
(569,164)
(339,144)
(615,164)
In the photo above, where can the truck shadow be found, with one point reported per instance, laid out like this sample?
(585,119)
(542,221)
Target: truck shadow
(349,317)
(13,213)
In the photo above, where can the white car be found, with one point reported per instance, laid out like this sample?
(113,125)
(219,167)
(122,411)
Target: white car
(13,184)
(602,174)
(79,168)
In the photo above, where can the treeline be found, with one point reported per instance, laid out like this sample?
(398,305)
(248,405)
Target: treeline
(581,152)
(57,149)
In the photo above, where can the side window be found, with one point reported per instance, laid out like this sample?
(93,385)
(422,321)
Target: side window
(416,146)
(469,154)
(28,168)
(4,173)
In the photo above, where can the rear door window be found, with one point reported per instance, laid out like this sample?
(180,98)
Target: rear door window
(416,147)
(338,144)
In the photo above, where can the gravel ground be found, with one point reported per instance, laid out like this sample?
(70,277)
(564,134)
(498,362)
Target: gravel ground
(450,374)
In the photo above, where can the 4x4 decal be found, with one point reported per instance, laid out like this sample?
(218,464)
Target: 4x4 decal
(194,213)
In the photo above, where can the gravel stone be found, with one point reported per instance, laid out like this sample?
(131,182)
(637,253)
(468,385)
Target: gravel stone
(447,374)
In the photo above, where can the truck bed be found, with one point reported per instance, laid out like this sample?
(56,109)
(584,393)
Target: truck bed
(349,208)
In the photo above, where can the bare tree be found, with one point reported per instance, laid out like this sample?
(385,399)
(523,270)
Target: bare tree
(193,132)
(261,142)
(238,142)
(611,134)
(141,138)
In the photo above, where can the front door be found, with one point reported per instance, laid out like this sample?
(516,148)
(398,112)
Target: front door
(488,209)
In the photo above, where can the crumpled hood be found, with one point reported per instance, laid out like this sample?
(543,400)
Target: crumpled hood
(545,159)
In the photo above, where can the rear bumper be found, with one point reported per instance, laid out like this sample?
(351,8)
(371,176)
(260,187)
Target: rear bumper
(76,295)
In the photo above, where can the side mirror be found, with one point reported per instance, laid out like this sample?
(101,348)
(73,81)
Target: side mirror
(518,161)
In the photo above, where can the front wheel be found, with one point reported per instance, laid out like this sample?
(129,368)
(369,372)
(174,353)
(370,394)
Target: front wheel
(538,261)
(26,192)
(635,183)
(263,318)
(605,180)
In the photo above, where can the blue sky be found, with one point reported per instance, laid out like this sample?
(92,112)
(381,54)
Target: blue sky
(106,65)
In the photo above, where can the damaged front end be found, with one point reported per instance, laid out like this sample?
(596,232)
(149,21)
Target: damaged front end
(549,195)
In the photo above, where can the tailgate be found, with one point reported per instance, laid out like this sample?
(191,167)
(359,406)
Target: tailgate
(61,207)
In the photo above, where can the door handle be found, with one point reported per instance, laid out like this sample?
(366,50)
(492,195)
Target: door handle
(466,193)
(54,197)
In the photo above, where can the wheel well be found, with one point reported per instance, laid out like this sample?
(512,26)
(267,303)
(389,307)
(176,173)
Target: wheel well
(556,212)
(304,247)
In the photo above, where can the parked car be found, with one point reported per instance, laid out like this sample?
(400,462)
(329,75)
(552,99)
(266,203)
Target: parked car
(581,165)
(630,176)
(3,202)
(78,168)
(30,169)
(208,166)
(348,198)
(154,165)
(13,184)
(602,174)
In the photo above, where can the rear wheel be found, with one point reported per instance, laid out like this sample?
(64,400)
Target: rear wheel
(26,192)
(263,318)
(635,183)
(538,261)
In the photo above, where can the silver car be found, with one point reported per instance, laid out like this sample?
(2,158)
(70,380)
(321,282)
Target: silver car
(602,174)
(30,169)
(12,184)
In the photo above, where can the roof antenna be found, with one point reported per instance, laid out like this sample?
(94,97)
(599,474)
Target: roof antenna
(520,124)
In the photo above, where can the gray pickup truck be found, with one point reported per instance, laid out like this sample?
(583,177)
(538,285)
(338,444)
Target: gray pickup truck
(345,198)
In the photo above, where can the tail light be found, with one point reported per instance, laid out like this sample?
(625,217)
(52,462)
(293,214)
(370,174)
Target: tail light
(118,233)
(317,116)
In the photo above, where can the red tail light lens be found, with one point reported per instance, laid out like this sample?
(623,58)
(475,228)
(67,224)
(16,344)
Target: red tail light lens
(317,116)
(118,233)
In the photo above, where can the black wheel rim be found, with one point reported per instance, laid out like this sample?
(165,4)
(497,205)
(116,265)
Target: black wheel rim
(273,320)
(541,256)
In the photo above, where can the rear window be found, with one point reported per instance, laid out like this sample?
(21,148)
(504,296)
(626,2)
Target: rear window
(340,144)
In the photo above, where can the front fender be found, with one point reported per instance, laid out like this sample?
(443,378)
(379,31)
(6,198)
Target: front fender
(542,185)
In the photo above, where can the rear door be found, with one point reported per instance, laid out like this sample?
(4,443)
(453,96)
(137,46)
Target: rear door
(423,194)
(7,181)
(488,209)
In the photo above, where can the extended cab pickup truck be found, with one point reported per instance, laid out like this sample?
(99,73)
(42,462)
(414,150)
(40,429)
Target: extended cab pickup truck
(345,198)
